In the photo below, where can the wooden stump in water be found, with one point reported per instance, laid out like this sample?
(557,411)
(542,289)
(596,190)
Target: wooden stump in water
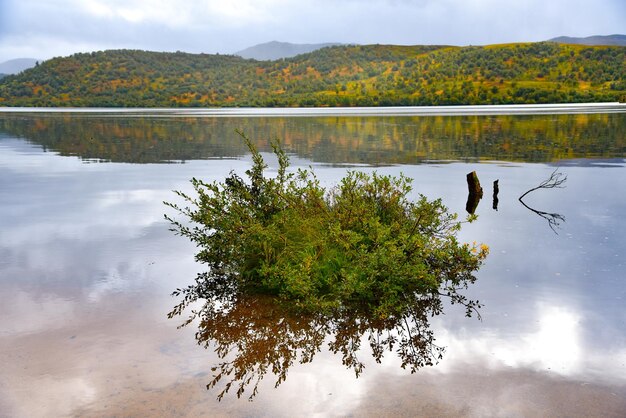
(496,189)
(474,185)
(475,192)
(472,203)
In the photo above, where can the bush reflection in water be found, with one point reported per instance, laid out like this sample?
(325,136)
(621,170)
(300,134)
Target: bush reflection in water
(256,334)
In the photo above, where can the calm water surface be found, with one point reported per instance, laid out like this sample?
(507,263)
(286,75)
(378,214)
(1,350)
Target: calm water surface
(87,265)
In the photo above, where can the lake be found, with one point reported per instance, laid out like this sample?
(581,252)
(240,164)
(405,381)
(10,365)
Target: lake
(88,265)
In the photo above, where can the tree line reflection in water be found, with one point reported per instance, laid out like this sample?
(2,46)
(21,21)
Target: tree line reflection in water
(334,140)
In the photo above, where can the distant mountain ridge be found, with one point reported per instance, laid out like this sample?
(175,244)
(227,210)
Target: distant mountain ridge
(17,65)
(274,50)
(616,40)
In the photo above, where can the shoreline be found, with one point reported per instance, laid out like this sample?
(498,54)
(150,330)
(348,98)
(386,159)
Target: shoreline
(516,109)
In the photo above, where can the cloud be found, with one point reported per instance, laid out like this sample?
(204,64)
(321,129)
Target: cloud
(61,27)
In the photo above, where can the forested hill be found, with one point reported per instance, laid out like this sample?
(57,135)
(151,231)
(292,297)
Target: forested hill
(368,75)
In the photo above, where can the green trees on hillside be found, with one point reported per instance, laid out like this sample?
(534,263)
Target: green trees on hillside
(369,75)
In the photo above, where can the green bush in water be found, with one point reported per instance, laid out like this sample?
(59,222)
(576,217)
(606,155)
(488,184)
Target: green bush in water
(362,244)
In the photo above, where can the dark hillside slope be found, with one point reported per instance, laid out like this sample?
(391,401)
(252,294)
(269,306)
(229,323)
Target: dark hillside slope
(619,40)
(17,65)
(276,50)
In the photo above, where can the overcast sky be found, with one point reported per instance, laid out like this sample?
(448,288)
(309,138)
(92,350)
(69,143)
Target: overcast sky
(46,28)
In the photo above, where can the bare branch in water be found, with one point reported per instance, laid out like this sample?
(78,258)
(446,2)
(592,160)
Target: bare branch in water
(555,181)
(554,219)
